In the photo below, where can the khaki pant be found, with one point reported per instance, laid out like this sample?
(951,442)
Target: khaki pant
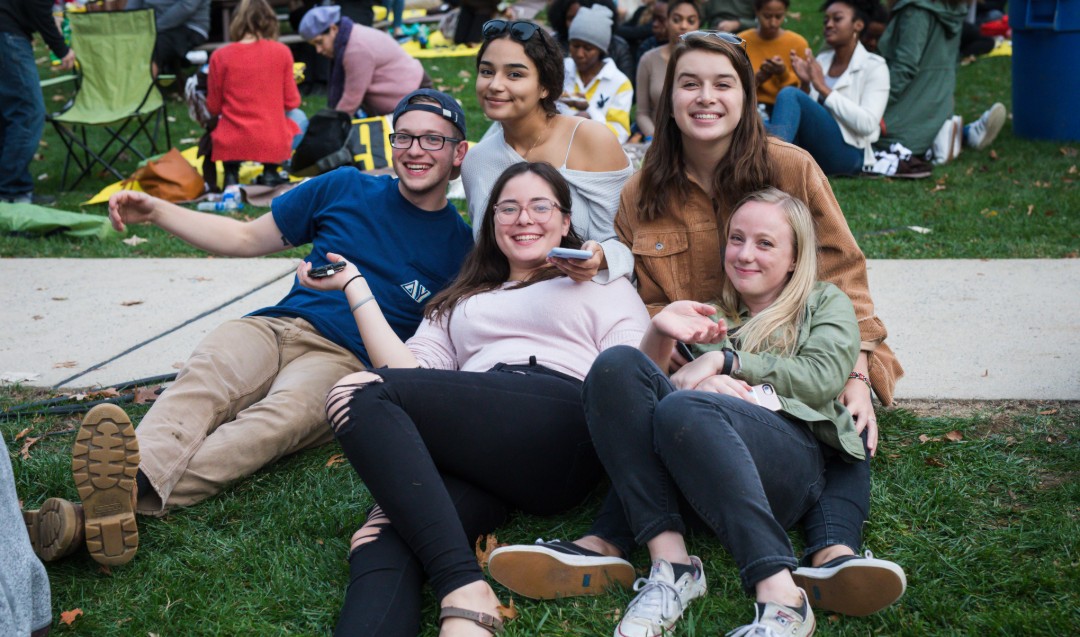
(253,391)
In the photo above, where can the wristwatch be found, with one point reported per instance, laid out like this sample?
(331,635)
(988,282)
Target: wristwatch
(729,361)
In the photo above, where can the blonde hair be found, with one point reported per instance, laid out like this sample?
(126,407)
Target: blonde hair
(776,328)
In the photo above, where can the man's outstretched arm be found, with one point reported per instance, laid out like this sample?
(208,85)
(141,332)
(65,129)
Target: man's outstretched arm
(220,235)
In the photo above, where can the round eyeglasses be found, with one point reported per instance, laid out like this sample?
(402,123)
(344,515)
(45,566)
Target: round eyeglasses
(540,210)
(404,141)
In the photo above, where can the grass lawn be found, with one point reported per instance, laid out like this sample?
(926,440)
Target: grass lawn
(986,526)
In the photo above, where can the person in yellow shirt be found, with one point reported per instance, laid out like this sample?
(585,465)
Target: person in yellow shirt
(769,47)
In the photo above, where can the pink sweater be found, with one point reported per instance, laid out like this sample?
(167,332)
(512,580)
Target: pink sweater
(378,72)
(565,325)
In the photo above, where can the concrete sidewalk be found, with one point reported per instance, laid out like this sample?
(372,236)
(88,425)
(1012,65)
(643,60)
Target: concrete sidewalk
(963,329)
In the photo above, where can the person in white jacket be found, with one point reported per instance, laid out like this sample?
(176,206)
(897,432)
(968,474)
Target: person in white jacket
(836,112)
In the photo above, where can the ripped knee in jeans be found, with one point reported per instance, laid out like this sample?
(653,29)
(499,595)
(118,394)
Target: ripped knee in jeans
(366,534)
(337,401)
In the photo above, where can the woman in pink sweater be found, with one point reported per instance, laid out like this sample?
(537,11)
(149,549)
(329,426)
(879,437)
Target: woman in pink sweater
(480,412)
(370,72)
(249,88)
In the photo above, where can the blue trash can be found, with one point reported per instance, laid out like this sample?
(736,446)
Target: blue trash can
(1046,68)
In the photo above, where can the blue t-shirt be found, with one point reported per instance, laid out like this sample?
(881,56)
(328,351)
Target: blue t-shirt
(406,253)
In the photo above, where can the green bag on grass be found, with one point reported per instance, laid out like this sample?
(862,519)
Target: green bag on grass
(27,218)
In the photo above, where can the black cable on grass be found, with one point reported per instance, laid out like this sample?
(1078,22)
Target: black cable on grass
(63,405)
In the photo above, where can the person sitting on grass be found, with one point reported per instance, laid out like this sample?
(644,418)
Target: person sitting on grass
(769,47)
(478,413)
(836,112)
(711,151)
(683,16)
(920,46)
(737,440)
(253,390)
(594,87)
(519,78)
(250,87)
(370,72)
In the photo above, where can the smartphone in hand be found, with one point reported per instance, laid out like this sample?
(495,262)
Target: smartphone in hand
(765,395)
(567,253)
(323,271)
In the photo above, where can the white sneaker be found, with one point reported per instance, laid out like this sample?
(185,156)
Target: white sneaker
(983,131)
(661,600)
(947,144)
(775,620)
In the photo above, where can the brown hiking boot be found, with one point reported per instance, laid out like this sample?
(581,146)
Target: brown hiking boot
(104,461)
(56,529)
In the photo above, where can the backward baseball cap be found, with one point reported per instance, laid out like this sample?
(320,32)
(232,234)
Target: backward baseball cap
(445,106)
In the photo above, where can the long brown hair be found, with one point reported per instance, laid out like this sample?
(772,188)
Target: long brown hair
(253,17)
(486,268)
(744,169)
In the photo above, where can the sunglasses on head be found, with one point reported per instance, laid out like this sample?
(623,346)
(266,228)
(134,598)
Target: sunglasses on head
(519,29)
(719,35)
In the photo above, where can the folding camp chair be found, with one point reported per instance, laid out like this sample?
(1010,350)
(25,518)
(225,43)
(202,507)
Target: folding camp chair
(115,91)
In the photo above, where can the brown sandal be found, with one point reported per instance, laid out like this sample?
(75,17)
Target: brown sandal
(490,623)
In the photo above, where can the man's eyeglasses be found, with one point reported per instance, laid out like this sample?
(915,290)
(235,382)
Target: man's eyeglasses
(539,210)
(520,30)
(719,35)
(404,141)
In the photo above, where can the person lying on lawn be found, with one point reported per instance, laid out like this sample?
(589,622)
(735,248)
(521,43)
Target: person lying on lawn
(478,413)
(253,390)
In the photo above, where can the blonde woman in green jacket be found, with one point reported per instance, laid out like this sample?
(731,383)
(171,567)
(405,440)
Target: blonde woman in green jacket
(737,440)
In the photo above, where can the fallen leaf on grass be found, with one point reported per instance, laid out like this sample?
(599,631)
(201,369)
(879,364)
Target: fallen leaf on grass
(937,188)
(130,303)
(43,176)
(21,434)
(508,612)
(337,458)
(464,73)
(65,364)
(1045,412)
(104,570)
(795,15)
(923,438)
(1072,169)
(1068,151)
(25,451)
(490,544)
(134,240)
(68,616)
(934,462)
(57,98)
(954,436)
(108,392)
(145,395)
(993,155)
(1031,207)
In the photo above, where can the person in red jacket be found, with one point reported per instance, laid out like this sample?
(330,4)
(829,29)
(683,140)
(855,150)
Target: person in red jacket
(250,87)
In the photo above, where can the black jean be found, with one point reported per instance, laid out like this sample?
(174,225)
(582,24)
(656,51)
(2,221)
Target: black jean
(445,454)
(749,473)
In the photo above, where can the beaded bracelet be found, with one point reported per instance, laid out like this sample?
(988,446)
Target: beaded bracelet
(862,377)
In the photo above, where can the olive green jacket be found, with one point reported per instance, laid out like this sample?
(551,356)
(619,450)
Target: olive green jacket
(809,382)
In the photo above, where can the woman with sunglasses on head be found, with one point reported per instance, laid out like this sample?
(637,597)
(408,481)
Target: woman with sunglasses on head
(836,111)
(709,152)
(478,413)
(519,81)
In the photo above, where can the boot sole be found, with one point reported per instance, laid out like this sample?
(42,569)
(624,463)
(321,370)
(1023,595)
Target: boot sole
(104,461)
(53,529)
(540,573)
(857,588)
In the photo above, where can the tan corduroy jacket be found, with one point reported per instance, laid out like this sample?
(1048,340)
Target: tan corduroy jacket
(680,256)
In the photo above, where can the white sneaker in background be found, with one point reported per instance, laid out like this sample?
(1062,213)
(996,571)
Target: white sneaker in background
(947,141)
(983,131)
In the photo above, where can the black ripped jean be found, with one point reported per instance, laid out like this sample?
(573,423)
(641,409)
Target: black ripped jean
(445,455)
(747,472)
